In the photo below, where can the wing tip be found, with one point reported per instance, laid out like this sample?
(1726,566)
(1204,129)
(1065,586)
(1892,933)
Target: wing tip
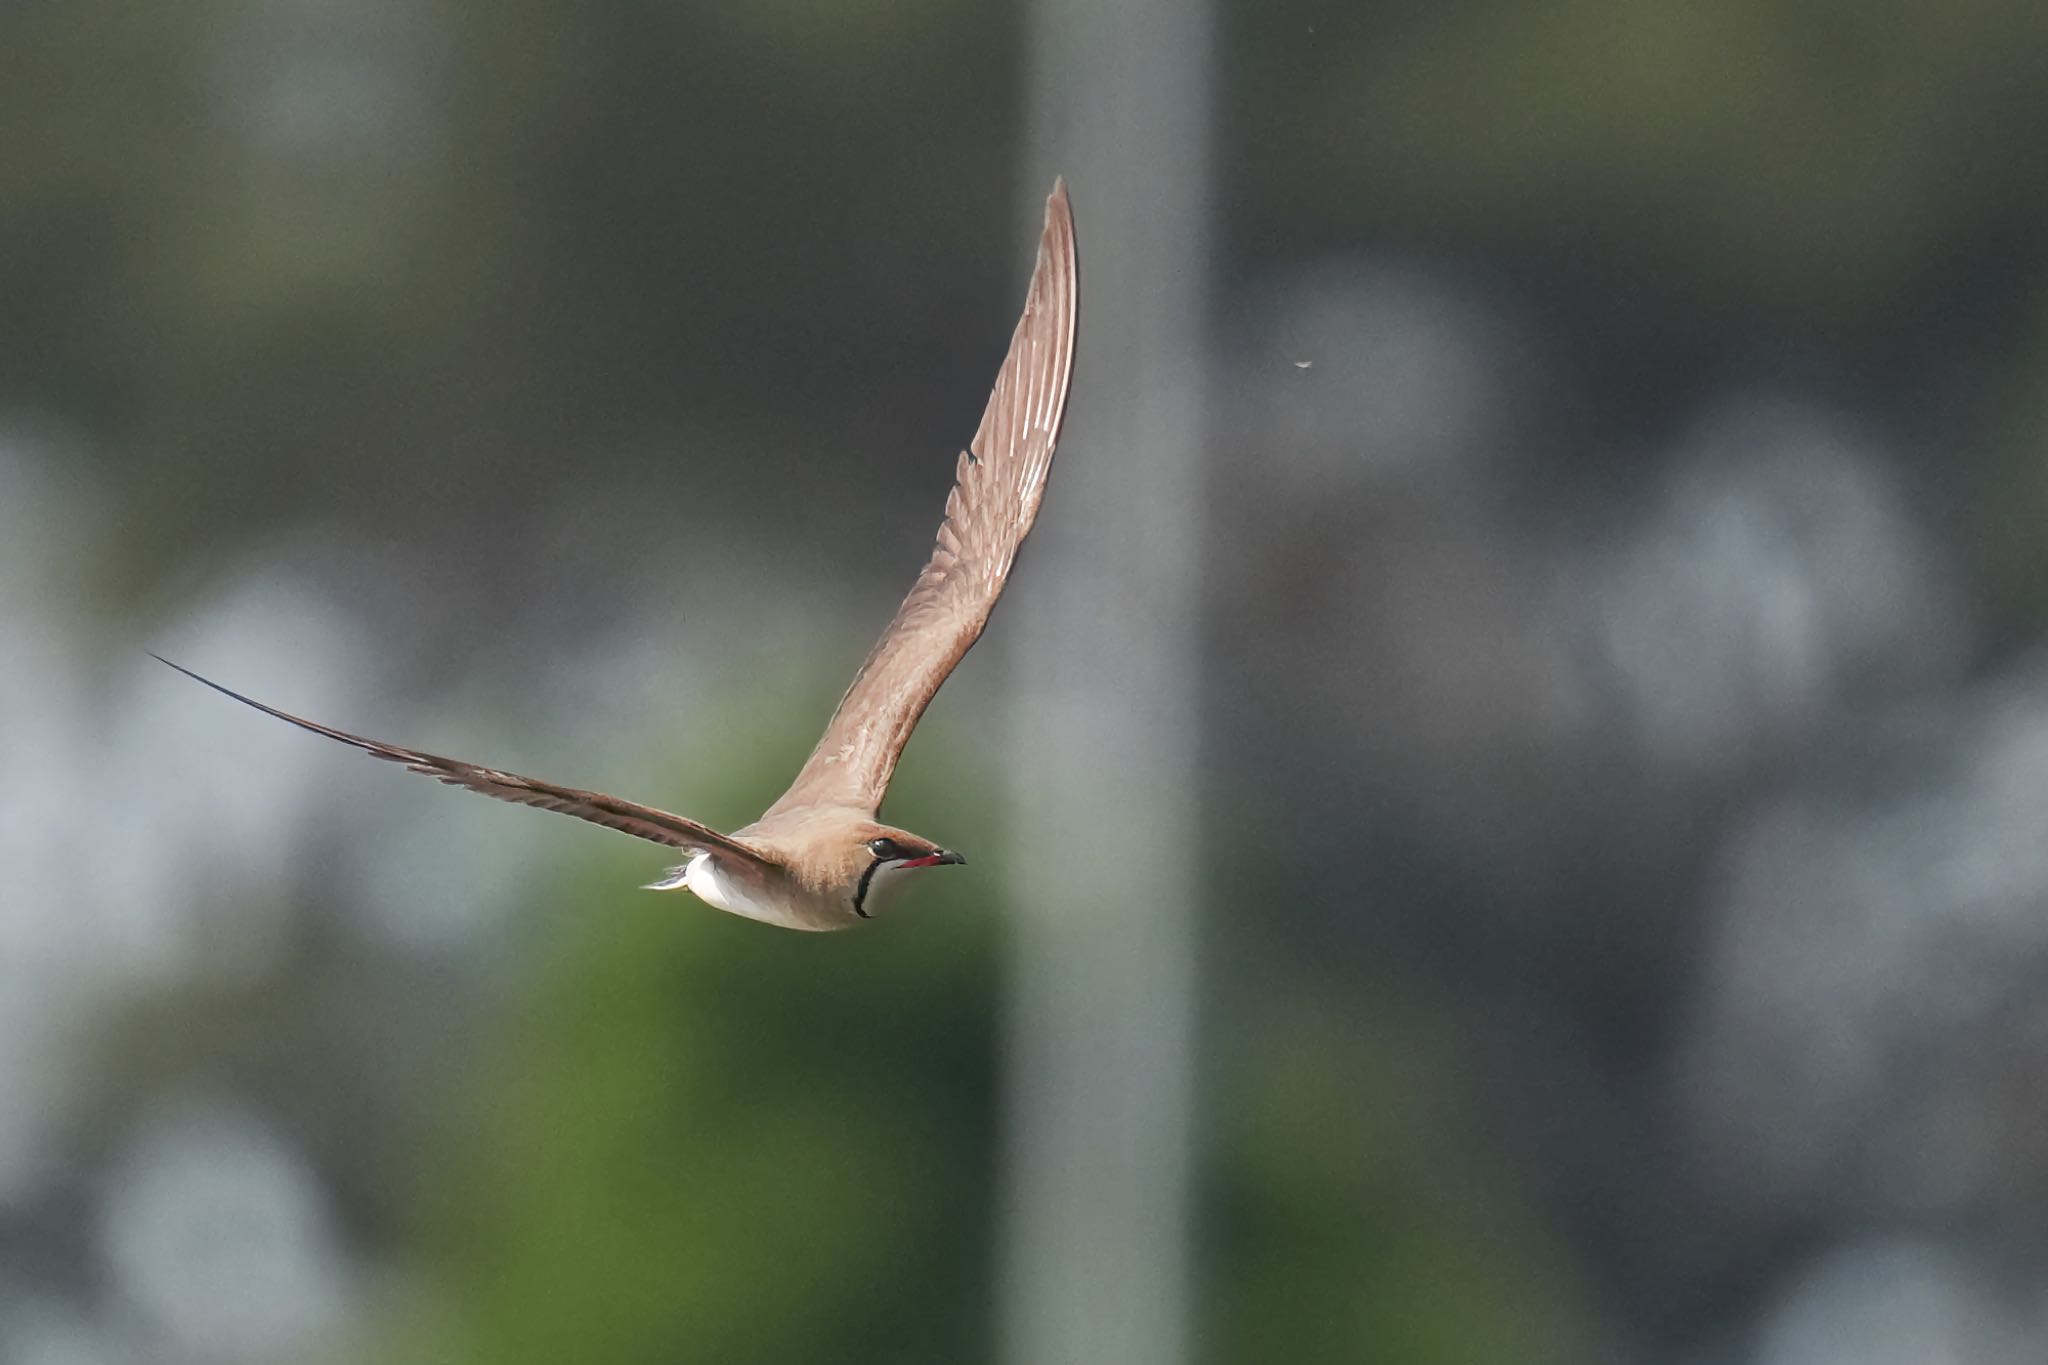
(1059,215)
(204,681)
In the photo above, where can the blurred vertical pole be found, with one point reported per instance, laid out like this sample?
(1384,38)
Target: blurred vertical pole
(1103,750)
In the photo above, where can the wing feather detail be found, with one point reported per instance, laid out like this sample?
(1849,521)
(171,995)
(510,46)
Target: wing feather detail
(628,817)
(999,482)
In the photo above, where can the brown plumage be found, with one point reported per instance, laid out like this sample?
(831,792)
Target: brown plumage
(997,486)
(818,859)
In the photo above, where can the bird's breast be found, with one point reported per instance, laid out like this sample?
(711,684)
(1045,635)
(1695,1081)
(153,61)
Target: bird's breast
(782,904)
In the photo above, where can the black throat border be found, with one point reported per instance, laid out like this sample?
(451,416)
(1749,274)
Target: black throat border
(860,893)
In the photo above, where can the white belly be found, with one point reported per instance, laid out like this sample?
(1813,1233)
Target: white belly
(710,884)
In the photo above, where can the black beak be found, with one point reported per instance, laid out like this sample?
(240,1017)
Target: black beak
(945,857)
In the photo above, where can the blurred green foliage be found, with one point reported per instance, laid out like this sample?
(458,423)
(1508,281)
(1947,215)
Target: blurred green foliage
(699,1138)
(704,1144)
(1355,1219)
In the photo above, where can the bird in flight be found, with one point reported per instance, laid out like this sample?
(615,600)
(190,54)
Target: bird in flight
(819,858)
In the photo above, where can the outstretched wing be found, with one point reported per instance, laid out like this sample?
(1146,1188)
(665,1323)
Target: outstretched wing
(998,485)
(642,822)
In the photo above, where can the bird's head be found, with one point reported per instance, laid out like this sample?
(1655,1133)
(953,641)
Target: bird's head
(887,858)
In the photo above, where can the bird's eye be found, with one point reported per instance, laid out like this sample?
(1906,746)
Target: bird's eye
(885,848)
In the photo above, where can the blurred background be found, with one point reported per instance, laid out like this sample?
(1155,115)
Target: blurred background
(1584,811)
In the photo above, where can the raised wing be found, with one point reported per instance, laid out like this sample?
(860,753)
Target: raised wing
(642,822)
(999,482)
